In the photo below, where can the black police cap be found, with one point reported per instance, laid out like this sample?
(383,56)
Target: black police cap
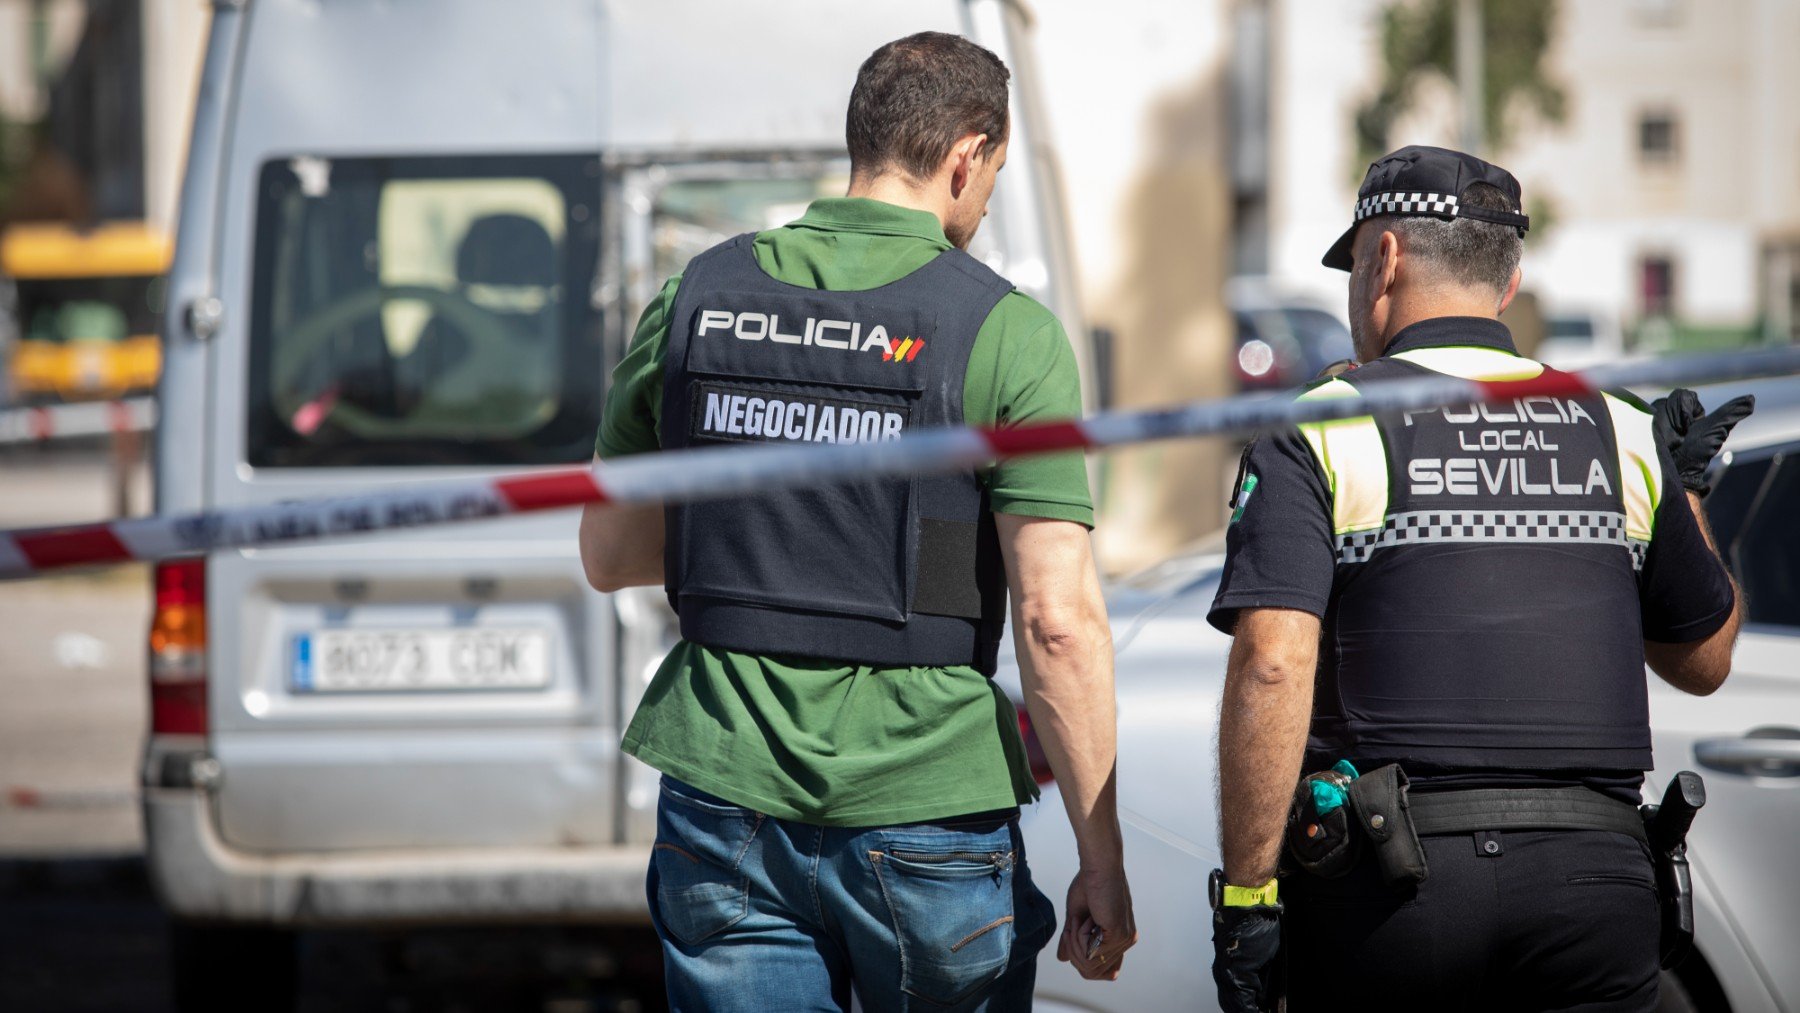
(1417,180)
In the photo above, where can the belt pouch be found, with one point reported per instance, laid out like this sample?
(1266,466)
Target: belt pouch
(1384,813)
(1324,844)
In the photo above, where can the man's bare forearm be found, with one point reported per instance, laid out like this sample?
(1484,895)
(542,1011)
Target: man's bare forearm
(1263,720)
(1066,671)
(1065,668)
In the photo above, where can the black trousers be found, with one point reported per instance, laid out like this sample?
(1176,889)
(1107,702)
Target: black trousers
(1521,920)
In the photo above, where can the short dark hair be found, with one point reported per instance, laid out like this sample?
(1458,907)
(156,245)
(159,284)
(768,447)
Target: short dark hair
(1465,250)
(916,97)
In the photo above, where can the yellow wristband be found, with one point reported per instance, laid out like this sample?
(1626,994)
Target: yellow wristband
(1249,896)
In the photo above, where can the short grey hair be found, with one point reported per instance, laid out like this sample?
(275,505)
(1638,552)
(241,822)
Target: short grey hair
(1464,251)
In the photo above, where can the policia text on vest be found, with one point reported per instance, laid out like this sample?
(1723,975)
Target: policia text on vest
(1484,429)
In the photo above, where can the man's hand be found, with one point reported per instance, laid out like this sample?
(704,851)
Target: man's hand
(1065,669)
(1246,941)
(1099,927)
(1694,438)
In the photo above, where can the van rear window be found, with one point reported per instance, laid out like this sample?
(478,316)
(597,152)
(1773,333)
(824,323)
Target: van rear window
(425,311)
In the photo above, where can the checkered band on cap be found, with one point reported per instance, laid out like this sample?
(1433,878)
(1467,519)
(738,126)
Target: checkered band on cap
(1492,526)
(1403,203)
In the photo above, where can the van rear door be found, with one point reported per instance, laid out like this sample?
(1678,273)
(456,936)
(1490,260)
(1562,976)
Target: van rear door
(409,248)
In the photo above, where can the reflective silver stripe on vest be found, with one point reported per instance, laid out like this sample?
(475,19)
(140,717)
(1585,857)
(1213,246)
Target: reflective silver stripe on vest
(1513,526)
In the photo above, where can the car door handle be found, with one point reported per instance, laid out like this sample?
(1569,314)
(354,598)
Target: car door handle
(1764,752)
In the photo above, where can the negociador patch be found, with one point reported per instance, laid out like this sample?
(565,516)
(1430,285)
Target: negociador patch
(751,415)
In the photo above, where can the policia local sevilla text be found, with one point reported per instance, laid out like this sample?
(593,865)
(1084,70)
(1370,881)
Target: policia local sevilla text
(1468,476)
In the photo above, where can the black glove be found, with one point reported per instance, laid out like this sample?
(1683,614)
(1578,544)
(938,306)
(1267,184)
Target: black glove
(1694,439)
(1246,941)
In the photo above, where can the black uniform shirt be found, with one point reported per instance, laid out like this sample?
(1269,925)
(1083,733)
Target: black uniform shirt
(1280,553)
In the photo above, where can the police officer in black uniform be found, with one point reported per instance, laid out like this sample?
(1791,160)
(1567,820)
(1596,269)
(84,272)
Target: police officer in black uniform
(1443,618)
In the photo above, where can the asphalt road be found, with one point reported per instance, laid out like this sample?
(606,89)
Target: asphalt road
(79,927)
(71,674)
(85,935)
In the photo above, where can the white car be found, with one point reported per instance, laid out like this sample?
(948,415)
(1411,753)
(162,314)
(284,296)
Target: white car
(1578,338)
(1744,739)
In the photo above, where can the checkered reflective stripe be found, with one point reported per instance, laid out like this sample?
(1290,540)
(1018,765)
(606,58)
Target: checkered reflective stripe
(1510,526)
(1402,203)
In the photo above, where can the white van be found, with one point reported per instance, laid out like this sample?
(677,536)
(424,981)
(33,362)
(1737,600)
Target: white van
(414,239)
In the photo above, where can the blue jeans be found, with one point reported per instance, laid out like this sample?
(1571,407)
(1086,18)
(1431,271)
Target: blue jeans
(759,913)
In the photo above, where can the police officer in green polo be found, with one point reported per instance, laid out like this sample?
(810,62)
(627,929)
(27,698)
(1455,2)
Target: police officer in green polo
(841,776)
(1442,617)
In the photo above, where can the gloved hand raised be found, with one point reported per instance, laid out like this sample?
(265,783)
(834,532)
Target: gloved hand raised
(1694,438)
(1246,941)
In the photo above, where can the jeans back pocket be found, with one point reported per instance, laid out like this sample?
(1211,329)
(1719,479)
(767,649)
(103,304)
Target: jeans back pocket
(952,912)
(700,845)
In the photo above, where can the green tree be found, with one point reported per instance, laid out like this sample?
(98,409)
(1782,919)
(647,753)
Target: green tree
(1418,40)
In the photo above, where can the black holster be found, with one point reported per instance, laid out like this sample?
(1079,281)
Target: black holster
(1666,827)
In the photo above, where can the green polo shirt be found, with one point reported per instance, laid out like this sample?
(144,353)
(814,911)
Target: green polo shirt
(823,741)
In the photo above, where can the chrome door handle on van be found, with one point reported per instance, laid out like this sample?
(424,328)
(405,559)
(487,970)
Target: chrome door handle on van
(1763,752)
(204,315)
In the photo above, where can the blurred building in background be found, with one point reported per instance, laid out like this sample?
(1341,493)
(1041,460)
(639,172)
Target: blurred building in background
(1674,181)
(1665,189)
(95,100)
(1139,102)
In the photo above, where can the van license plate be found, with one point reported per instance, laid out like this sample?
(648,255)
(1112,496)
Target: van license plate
(364,661)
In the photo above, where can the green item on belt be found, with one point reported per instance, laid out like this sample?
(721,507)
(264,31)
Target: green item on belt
(828,742)
(1329,795)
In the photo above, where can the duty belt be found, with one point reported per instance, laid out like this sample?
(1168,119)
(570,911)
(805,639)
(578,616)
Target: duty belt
(1472,810)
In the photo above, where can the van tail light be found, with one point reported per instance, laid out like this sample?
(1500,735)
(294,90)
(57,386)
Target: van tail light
(178,649)
(1034,750)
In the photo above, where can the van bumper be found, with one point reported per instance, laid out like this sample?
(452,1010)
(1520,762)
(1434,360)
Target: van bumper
(198,876)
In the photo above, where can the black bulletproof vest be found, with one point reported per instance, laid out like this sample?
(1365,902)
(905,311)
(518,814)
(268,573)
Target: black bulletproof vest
(892,571)
(1493,622)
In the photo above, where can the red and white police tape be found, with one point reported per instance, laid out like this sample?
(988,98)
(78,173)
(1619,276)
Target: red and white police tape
(83,418)
(715,472)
